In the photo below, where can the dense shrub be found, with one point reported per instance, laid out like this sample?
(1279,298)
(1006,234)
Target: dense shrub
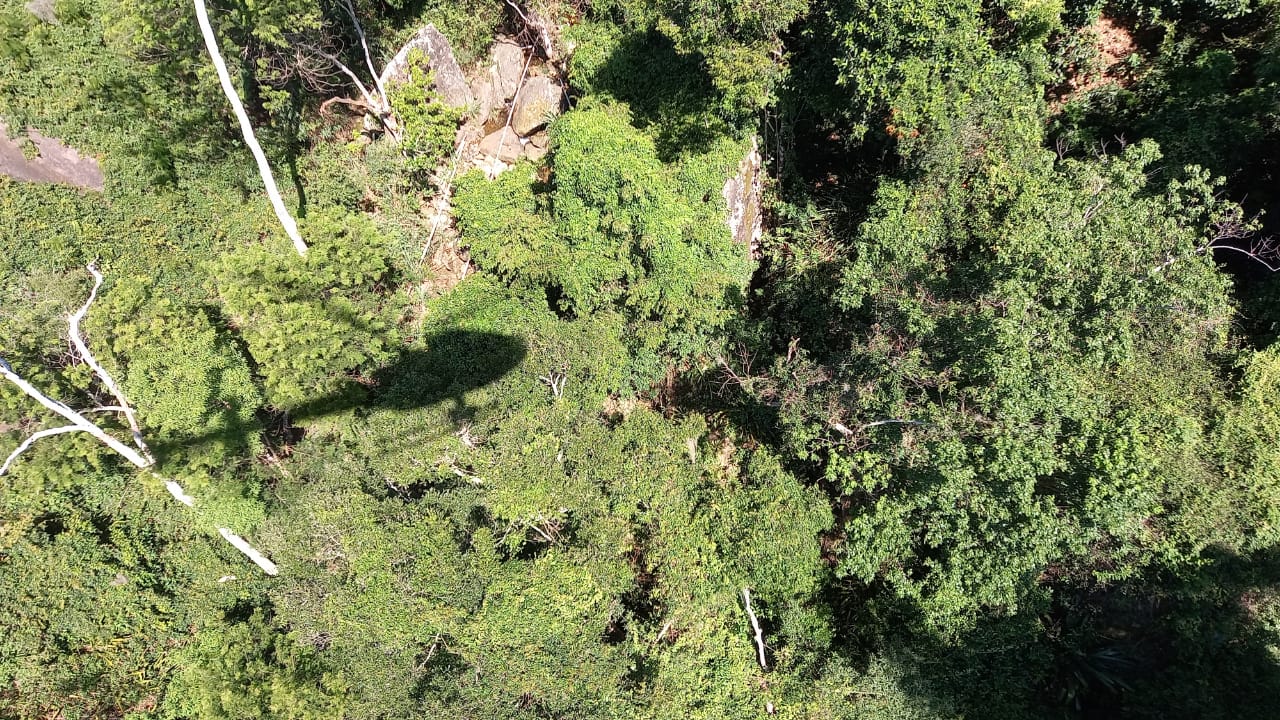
(308,322)
(616,230)
(427,122)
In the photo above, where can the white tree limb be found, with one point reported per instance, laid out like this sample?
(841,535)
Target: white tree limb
(77,339)
(376,105)
(755,625)
(178,494)
(355,21)
(379,107)
(246,129)
(75,418)
(80,424)
(539,26)
(249,551)
(31,440)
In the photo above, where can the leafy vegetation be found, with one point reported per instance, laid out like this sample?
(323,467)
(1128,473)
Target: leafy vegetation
(985,425)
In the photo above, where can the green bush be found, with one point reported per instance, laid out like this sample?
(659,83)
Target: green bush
(616,231)
(311,321)
(427,122)
(187,379)
(249,670)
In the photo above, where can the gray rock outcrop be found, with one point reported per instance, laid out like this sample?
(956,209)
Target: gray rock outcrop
(449,80)
(54,162)
(43,9)
(742,198)
(494,83)
(506,65)
(502,144)
(536,146)
(539,100)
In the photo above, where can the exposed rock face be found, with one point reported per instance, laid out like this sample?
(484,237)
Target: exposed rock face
(497,81)
(536,150)
(488,99)
(43,9)
(537,101)
(506,66)
(502,144)
(56,163)
(449,81)
(742,196)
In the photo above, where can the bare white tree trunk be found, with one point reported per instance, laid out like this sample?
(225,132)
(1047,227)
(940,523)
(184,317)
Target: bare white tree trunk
(379,105)
(77,339)
(140,458)
(755,626)
(211,42)
(74,417)
(250,552)
(364,44)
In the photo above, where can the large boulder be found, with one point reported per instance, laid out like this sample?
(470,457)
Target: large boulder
(742,198)
(488,98)
(506,66)
(449,80)
(502,144)
(537,146)
(539,100)
(53,163)
(495,83)
(43,9)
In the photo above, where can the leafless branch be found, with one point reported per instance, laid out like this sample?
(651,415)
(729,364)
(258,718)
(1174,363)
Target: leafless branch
(140,458)
(246,129)
(891,421)
(77,339)
(31,440)
(555,381)
(364,44)
(249,551)
(536,25)
(373,103)
(755,626)
(74,418)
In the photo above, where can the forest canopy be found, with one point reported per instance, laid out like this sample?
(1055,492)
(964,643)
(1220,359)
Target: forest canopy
(639,359)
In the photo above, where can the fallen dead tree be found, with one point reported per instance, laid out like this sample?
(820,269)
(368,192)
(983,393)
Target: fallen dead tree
(139,455)
(246,129)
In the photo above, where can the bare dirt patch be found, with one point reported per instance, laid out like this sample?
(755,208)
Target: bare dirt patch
(1108,44)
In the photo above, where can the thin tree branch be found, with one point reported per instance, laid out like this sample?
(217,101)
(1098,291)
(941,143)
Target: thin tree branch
(79,423)
(380,107)
(539,27)
(31,440)
(891,421)
(506,127)
(75,418)
(246,129)
(367,58)
(755,625)
(1249,253)
(177,492)
(249,551)
(374,104)
(77,339)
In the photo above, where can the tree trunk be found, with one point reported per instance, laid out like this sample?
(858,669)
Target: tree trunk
(273,192)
